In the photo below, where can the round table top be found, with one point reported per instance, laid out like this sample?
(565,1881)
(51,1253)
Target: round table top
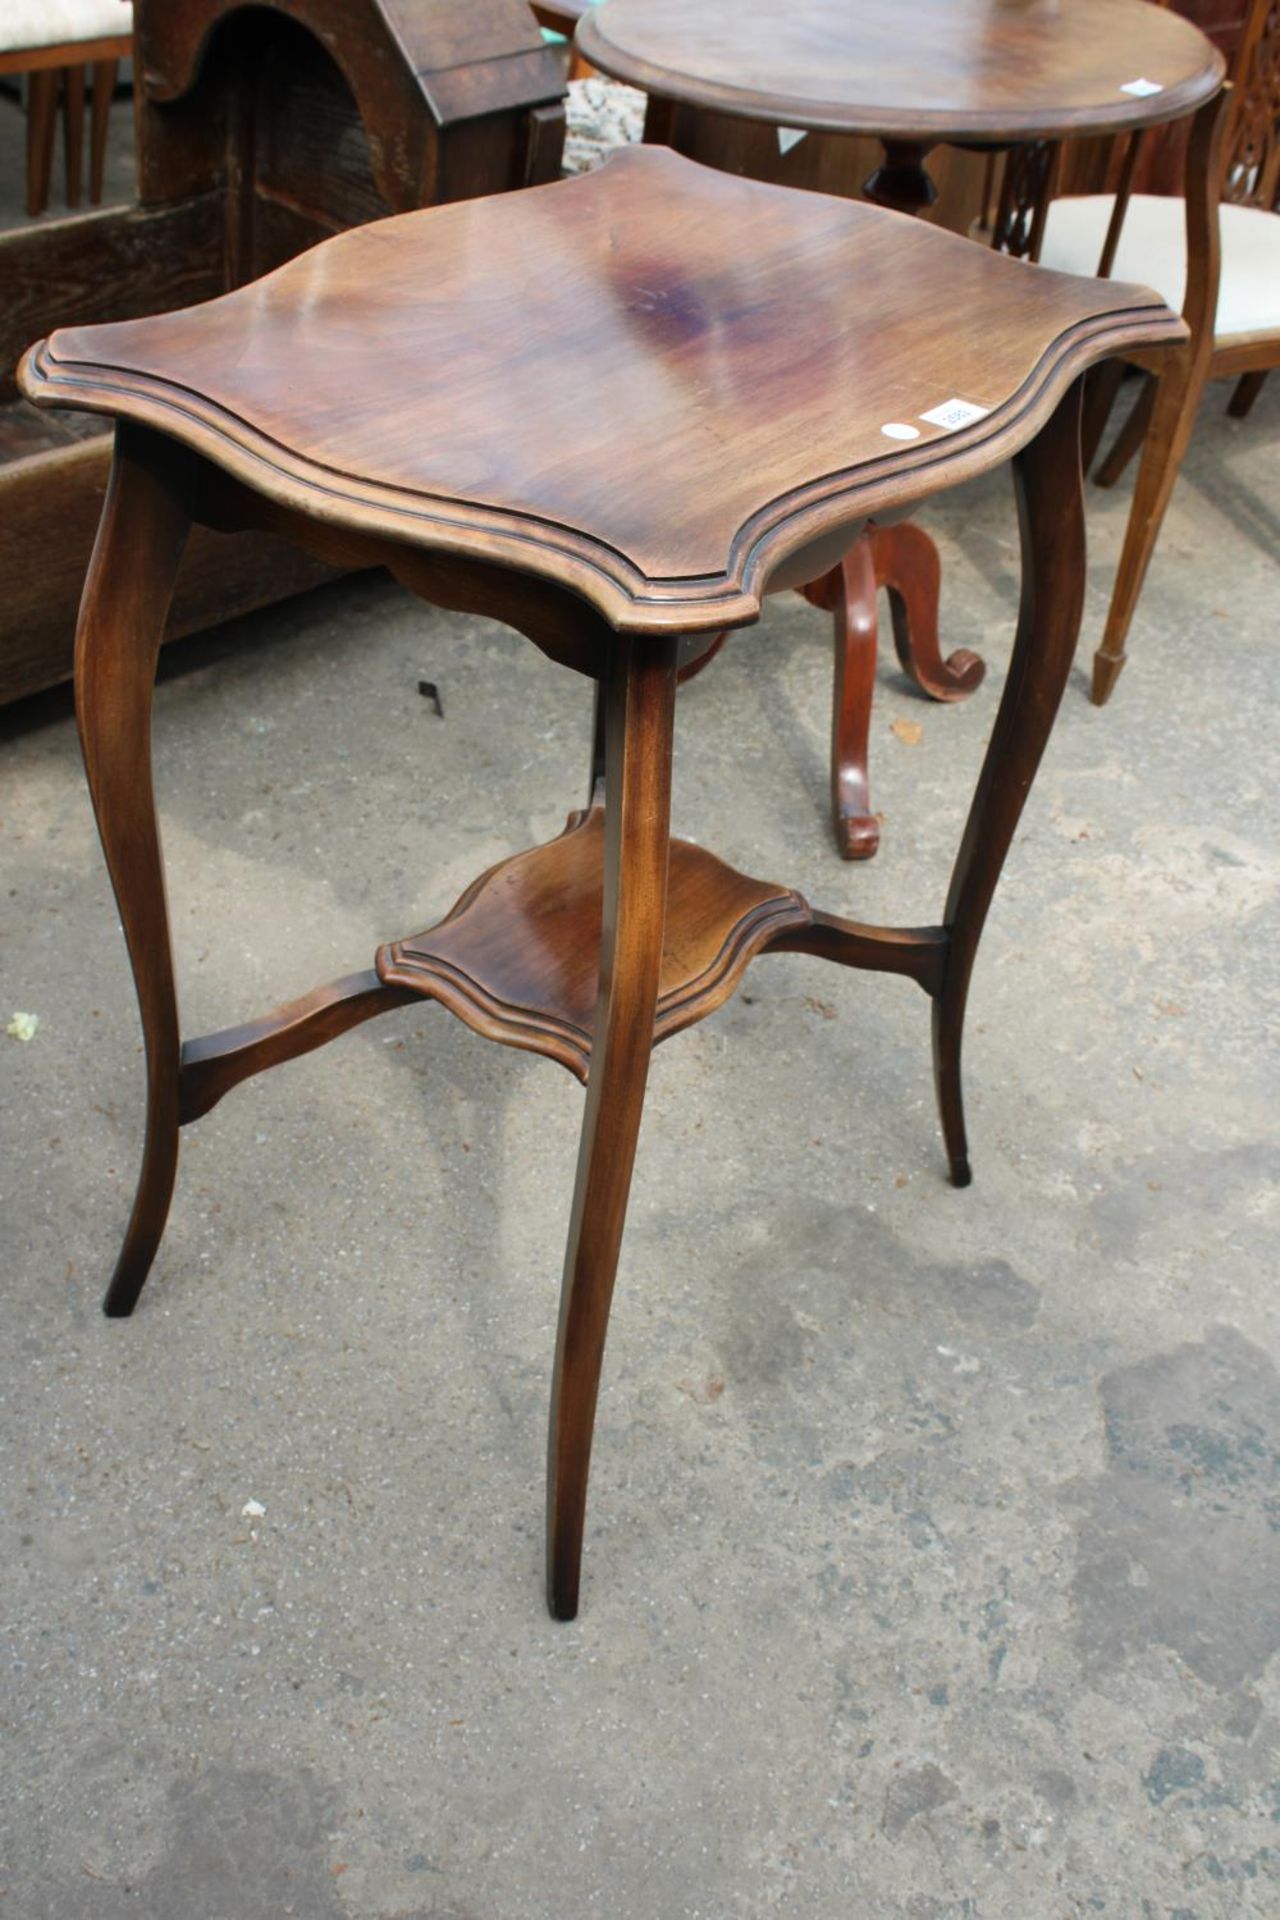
(913,70)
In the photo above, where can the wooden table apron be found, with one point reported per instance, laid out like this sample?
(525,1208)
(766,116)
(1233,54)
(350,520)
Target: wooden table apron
(597,946)
(997,77)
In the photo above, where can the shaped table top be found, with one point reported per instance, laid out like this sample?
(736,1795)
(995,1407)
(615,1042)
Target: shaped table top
(650,384)
(955,70)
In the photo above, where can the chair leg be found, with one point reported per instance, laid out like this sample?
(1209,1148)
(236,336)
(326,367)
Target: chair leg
(640,709)
(1173,410)
(105,73)
(122,616)
(42,113)
(1130,437)
(1101,391)
(909,568)
(73,130)
(1247,389)
(1047,480)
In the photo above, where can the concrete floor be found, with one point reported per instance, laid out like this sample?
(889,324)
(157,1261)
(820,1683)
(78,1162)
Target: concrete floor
(933,1560)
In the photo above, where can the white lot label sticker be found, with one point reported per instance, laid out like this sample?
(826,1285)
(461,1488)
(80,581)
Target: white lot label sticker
(1142,89)
(789,137)
(899,430)
(955,413)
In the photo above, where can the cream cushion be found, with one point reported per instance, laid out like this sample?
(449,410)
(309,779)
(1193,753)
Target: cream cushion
(27,24)
(1153,252)
(600,115)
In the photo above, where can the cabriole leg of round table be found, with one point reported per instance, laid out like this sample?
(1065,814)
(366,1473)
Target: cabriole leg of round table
(849,594)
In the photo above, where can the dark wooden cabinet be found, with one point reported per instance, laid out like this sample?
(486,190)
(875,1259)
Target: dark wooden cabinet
(260,130)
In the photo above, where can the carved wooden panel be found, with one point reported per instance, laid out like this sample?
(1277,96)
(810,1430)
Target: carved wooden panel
(1253,164)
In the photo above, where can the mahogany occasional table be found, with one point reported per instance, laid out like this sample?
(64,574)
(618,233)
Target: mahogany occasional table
(1016,74)
(603,412)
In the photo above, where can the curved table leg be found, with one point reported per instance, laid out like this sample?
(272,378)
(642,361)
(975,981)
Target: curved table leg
(848,592)
(122,616)
(1047,480)
(639,714)
(904,560)
(908,567)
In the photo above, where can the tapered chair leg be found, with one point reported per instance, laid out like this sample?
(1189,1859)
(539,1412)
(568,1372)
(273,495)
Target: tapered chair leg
(73,131)
(639,710)
(1176,397)
(42,118)
(105,74)
(1244,393)
(1047,481)
(1101,391)
(122,616)
(1130,437)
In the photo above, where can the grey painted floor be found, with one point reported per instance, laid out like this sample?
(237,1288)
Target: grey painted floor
(933,1566)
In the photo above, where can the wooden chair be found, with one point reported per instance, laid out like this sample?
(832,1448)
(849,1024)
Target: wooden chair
(1214,254)
(52,42)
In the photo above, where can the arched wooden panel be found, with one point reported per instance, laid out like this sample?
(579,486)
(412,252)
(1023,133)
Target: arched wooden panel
(452,94)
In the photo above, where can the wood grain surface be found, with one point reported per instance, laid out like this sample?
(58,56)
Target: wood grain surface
(652,384)
(948,69)
(537,988)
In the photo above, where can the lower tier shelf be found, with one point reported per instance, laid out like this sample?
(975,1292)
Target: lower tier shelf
(518,958)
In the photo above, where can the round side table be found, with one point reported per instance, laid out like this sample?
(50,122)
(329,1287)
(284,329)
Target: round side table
(1014,75)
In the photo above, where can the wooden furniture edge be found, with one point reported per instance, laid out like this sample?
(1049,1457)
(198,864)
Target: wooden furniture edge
(67,53)
(831,117)
(777,532)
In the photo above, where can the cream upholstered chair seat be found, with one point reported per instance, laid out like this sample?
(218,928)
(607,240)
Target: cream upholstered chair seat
(61,23)
(1153,252)
(600,116)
